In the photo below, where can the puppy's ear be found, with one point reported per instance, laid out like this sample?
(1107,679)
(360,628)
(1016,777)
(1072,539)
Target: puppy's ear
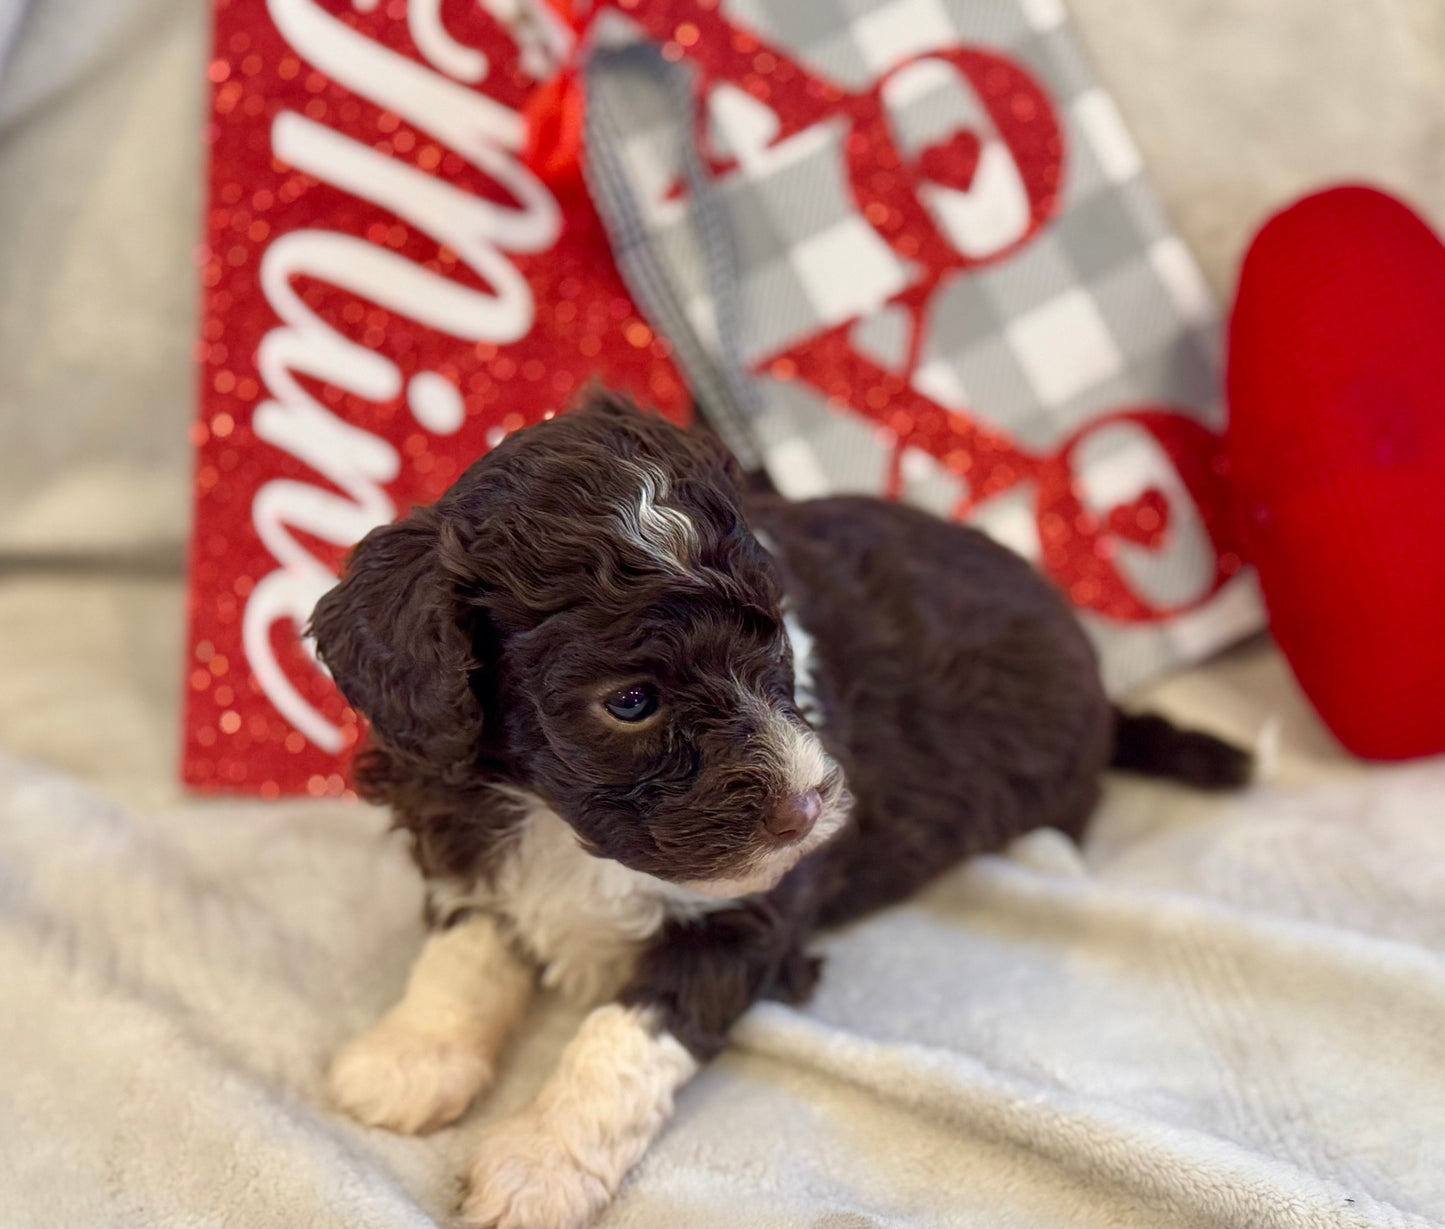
(392,635)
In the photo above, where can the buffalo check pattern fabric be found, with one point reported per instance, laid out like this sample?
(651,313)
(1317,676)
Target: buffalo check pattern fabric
(1050,313)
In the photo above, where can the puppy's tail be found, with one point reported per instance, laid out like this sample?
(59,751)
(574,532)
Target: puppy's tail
(1150,745)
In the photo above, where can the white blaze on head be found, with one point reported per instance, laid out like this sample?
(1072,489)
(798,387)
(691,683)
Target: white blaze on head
(664,533)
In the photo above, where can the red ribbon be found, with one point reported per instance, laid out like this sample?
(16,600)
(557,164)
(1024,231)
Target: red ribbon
(555,113)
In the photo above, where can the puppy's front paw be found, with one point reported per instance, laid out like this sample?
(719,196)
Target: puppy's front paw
(525,1178)
(406,1079)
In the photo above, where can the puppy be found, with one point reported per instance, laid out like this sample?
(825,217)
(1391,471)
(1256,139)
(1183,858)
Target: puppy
(648,733)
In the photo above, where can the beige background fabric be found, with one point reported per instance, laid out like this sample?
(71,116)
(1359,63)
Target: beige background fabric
(100,209)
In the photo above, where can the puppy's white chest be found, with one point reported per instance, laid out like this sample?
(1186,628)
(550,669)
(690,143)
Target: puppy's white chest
(583,919)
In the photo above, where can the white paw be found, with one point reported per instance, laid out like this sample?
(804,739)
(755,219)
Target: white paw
(402,1078)
(525,1178)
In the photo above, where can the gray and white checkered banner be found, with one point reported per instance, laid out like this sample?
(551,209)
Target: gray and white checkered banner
(1103,309)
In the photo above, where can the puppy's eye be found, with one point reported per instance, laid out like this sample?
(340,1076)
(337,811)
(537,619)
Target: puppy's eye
(635,703)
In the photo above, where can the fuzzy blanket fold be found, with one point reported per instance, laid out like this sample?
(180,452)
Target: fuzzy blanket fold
(1217,1015)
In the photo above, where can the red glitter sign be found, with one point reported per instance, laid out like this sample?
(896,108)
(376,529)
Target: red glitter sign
(388,290)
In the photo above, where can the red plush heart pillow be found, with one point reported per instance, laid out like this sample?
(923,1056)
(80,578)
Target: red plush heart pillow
(1337,456)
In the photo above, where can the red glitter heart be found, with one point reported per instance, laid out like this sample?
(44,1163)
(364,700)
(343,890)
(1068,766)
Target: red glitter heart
(1144,520)
(952,163)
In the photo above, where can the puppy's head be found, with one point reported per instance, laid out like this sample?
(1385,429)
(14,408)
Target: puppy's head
(586,616)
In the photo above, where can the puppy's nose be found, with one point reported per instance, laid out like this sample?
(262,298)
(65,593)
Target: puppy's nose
(793,818)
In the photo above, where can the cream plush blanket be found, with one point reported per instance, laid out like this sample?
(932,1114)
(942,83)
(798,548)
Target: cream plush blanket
(1222,1013)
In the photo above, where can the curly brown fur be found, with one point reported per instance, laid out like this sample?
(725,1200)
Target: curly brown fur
(578,667)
